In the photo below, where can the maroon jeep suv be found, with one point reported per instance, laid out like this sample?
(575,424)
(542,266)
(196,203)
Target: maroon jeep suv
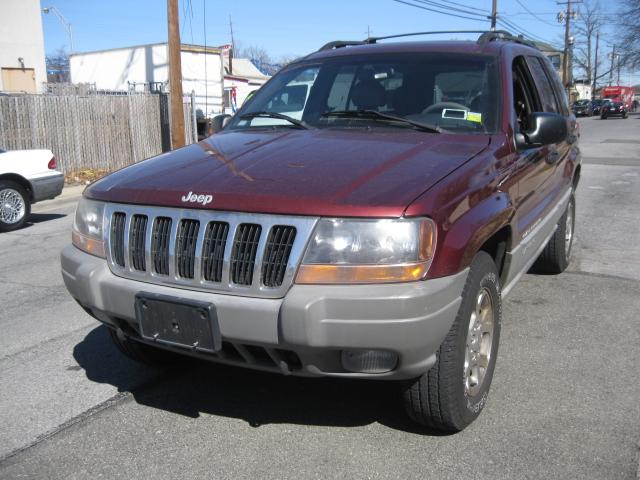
(361,216)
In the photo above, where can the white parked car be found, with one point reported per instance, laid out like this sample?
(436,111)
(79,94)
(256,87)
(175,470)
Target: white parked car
(26,177)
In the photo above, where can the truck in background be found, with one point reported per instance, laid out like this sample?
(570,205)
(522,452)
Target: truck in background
(620,94)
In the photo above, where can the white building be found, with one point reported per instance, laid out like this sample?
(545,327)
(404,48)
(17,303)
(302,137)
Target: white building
(124,69)
(582,90)
(239,81)
(22,62)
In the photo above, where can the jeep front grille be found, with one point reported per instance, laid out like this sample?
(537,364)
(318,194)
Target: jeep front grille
(117,237)
(276,255)
(243,257)
(215,241)
(137,238)
(186,247)
(239,253)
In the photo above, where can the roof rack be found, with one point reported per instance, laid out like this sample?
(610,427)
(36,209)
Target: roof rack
(341,44)
(492,36)
(485,37)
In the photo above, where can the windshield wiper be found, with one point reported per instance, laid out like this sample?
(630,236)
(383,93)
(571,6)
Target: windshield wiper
(374,114)
(293,121)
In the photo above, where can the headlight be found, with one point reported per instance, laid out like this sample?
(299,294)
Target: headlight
(368,251)
(87,232)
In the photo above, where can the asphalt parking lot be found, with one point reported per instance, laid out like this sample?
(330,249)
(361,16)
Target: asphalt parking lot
(564,401)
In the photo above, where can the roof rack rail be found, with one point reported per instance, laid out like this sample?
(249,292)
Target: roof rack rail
(485,36)
(341,43)
(414,34)
(504,35)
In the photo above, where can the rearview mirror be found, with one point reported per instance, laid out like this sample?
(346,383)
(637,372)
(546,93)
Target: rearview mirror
(544,129)
(219,122)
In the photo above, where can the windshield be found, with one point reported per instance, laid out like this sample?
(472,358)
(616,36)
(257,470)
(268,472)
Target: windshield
(452,92)
(581,103)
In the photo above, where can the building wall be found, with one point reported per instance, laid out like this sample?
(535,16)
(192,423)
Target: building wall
(21,37)
(117,69)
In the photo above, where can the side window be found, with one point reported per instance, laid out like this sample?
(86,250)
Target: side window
(547,94)
(525,96)
(561,94)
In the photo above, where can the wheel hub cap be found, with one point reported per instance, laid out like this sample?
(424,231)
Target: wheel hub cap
(12,207)
(479,342)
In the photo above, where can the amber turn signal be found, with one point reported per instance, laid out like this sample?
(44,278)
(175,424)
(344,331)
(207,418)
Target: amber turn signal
(88,244)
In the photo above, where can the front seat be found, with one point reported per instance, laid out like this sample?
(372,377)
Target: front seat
(368,94)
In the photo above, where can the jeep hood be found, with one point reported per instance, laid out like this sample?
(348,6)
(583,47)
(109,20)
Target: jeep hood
(376,172)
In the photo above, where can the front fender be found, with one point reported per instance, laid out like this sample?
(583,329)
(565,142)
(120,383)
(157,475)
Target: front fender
(461,235)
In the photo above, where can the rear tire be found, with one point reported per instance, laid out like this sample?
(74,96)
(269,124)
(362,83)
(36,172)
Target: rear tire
(15,206)
(556,255)
(145,354)
(454,391)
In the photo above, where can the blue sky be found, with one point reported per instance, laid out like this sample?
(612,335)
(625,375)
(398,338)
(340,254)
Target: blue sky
(282,27)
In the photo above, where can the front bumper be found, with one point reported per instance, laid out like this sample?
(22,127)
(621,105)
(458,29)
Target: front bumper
(47,187)
(303,333)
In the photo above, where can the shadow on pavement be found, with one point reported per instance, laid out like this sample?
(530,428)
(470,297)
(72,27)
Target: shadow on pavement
(44,217)
(256,397)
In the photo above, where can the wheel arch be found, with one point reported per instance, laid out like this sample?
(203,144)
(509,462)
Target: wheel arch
(20,180)
(497,246)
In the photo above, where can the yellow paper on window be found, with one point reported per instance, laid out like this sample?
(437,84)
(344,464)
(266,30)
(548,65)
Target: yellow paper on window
(474,117)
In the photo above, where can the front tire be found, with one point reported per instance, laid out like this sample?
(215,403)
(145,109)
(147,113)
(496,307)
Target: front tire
(15,206)
(556,255)
(454,391)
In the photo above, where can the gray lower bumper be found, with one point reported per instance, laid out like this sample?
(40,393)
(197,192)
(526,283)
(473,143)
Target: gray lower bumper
(47,187)
(315,322)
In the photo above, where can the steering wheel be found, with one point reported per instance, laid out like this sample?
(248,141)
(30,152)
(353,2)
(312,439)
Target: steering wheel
(442,105)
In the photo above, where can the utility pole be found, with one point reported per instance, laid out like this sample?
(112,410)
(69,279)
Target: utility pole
(494,14)
(613,58)
(233,46)
(566,64)
(368,31)
(595,68)
(175,76)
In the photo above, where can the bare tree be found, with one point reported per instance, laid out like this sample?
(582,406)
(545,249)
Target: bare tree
(629,32)
(586,28)
(58,66)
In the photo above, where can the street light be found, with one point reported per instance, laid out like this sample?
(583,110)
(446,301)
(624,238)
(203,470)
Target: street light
(64,22)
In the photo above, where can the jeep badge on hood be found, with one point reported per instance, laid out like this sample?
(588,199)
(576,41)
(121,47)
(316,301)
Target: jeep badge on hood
(197,198)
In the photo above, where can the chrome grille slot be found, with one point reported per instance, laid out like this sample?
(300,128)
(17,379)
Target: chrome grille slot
(215,241)
(243,256)
(276,255)
(186,247)
(137,235)
(247,254)
(117,237)
(160,245)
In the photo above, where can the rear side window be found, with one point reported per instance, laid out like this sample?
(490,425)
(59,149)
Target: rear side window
(543,83)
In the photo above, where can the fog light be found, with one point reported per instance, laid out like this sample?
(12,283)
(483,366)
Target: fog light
(369,361)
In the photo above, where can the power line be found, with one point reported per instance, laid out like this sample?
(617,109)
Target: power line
(455,9)
(466,6)
(510,25)
(534,15)
(438,11)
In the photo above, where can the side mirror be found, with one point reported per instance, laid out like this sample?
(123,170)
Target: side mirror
(544,129)
(219,122)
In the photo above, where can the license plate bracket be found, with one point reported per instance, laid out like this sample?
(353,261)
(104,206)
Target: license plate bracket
(178,322)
